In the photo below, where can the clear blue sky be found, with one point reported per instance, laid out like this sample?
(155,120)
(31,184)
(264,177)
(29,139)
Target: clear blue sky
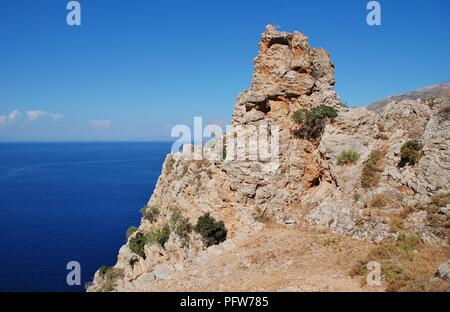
(136,67)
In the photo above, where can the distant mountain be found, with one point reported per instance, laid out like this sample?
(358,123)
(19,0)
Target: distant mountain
(422,93)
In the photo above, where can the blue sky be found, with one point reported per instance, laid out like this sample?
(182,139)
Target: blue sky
(134,68)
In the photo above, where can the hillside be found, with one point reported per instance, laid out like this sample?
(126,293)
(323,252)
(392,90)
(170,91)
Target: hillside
(338,188)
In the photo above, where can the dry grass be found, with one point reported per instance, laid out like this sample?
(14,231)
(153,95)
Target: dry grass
(406,264)
(438,220)
(378,201)
(370,176)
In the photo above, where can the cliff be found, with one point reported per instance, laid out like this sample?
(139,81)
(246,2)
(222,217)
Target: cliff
(344,178)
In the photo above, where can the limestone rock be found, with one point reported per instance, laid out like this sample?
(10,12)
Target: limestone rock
(299,182)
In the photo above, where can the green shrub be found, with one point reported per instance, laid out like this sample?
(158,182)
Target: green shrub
(131,230)
(103,269)
(372,168)
(137,243)
(175,217)
(158,235)
(110,278)
(310,117)
(150,213)
(329,242)
(212,231)
(407,242)
(347,156)
(313,121)
(357,197)
(410,153)
(180,225)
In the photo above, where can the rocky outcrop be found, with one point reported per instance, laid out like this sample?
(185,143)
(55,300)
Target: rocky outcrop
(300,181)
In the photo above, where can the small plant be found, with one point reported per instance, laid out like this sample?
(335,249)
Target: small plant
(180,225)
(175,216)
(407,242)
(137,243)
(212,231)
(356,197)
(343,104)
(131,230)
(150,213)
(158,235)
(372,168)
(103,269)
(378,201)
(260,215)
(111,276)
(313,121)
(329,242)
(410,153)
(347,156)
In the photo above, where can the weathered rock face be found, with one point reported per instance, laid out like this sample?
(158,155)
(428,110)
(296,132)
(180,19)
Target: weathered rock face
(301,182)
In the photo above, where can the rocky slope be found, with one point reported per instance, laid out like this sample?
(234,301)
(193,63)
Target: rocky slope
(301,186)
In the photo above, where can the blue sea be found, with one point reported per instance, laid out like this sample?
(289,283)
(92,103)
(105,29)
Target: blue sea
(62,202)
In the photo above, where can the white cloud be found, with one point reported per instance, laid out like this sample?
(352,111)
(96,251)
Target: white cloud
(13,115)
(101,124)
(9,118)
(33,115)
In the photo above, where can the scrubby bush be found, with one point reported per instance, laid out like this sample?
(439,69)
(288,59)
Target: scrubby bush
(378,201)
(408,242)
(372,168)
(180,225)
(212,231)
(310,117)
(103,269)
(137,243)
(175,216)
(356,197)
(347,156)
(131,231)
(410,153)
(158,235)
(150,213)
(313,120)
(111,276)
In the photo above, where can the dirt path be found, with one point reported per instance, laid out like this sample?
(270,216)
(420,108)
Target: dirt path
(274,259)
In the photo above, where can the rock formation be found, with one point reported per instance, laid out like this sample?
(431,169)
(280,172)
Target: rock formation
(303,183)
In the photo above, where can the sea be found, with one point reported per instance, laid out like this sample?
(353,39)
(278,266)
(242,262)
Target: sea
(65,202)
